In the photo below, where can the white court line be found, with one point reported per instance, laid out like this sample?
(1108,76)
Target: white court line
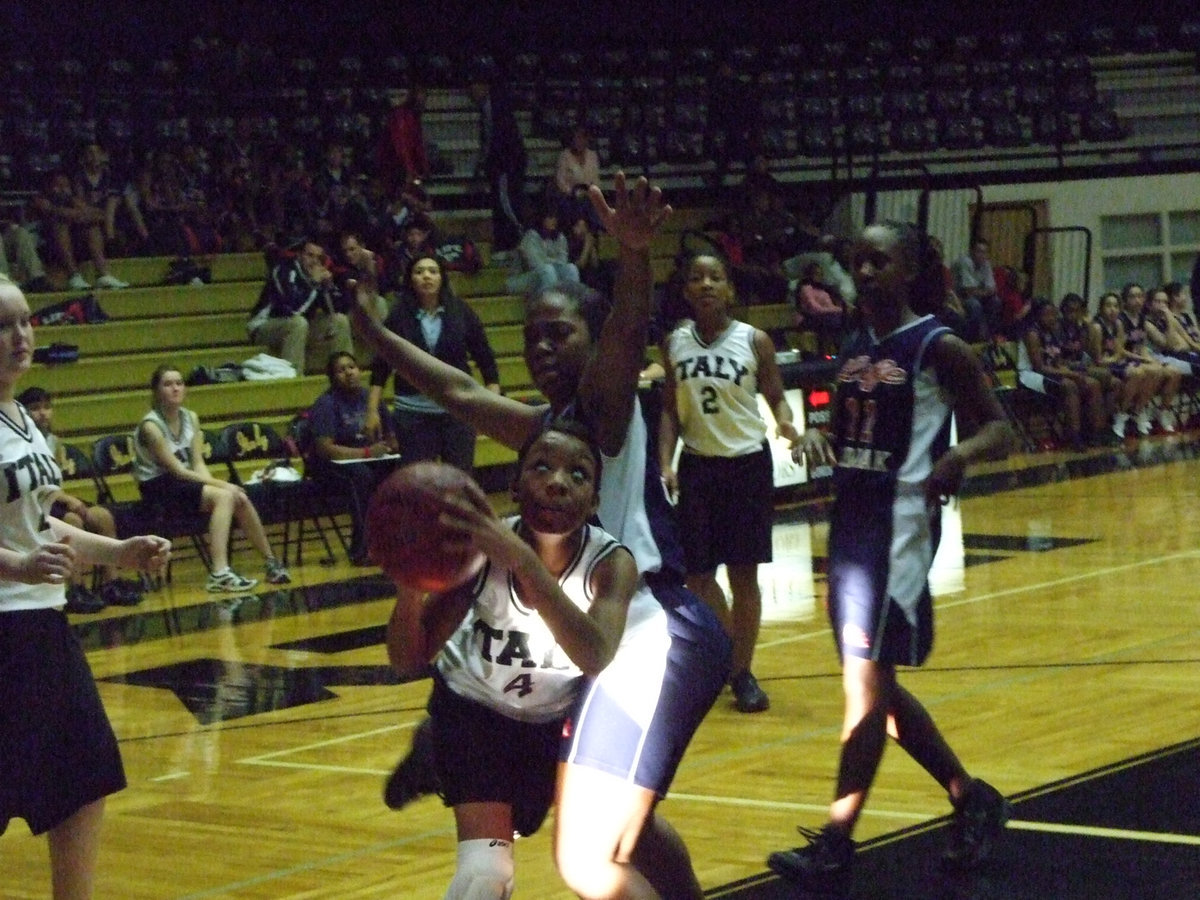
(796,807)
(265,758)
(1034,586)
(1117,834)
(1121,834)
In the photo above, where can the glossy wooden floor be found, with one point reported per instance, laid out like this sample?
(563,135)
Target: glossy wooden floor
(1068,630)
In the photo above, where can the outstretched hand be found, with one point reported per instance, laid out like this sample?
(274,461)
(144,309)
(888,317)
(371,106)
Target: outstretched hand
(637,213)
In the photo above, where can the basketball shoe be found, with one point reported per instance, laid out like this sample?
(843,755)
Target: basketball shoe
(414,776)
(978,820)
(824,861)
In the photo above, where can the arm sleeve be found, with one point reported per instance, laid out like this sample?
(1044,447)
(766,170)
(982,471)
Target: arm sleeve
(478,346)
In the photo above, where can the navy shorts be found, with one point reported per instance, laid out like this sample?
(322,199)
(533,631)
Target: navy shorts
(726,508)
(636,718)
(483,756)
(167,492)
(58,752)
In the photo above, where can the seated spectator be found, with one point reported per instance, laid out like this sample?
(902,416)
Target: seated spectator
(171,473)
(1179,299)
(19,260)
(1169,341)
(98,186)
(1137,342)
(1014,305)
(112,591)
(819,309)
(1042,368)
(1141,379)
(67,221)
(975,285)
(333,186)
(578,166)
(300,314)
(1078,343)
(360,269)
(428,313)
(340,445)
(418,236)
(543,255)
(174,205)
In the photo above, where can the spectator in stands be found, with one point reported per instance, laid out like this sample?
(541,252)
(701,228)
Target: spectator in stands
(1041,367)
(1014,305)
(543,256)
(300,313)
(724,436)
(98,186)
(340,445)
(975,285)
(112,591)
(401,156)
(333,187)
(19,260)
(418,237)
(171,473)
(819,309)
(67,220)
(1141,379)
(1168,339)
(241,186)
(428,313)
(1137,342)
(577,167)
(174,204)
(1179,299)
(1078,343)
(360,269)
(502,162)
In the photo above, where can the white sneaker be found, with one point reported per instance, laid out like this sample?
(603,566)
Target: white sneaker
(78,283)
(1166,419)
(1144,425)
(1120,423)
(111,282)
(229,581)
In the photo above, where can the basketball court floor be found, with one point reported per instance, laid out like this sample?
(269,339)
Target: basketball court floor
(257,730)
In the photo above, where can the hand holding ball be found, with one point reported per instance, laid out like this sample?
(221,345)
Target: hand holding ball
(405,537)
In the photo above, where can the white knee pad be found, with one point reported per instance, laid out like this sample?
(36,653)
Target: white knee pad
(484,871)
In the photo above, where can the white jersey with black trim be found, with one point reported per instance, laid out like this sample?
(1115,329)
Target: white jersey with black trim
(145,466)
(505,657)
(716,390)
(31,478)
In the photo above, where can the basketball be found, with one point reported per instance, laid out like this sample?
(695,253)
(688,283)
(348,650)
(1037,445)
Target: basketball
(404,537)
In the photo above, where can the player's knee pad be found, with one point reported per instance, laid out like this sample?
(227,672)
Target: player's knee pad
(484,871)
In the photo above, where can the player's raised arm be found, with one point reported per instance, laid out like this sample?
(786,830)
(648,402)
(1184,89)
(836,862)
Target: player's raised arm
(610,382)
(503,419)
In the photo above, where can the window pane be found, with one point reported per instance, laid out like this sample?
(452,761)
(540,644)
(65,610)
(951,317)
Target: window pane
(1181,266)
(1117,232)
(1184,227)
(1145,270)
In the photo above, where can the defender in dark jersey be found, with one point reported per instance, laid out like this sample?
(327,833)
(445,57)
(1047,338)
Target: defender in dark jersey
(902,375)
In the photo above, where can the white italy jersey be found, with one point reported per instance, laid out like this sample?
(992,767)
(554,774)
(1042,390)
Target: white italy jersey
(504,656)
(145,466)
(31,477)
(716,390)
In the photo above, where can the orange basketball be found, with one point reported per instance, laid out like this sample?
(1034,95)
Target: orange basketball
(404,537)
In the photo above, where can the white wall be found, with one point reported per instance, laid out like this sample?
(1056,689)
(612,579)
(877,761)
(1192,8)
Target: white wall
(1069,203)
